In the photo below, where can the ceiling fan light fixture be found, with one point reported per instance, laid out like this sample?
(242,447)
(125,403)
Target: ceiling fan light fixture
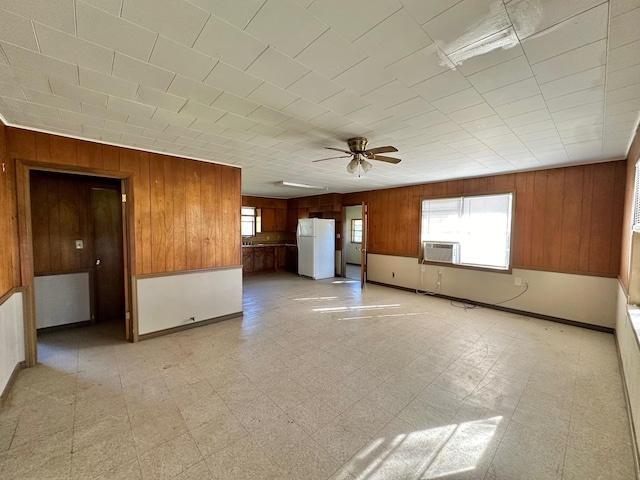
(352,166)
(366,166)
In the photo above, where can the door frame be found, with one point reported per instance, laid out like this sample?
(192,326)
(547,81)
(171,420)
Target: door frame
(363,248)
(25,244)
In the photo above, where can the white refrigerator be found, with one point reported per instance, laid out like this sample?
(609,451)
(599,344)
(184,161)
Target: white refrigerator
(316,247)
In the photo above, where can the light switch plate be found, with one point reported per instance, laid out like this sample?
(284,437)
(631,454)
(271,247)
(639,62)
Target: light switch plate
(79,244)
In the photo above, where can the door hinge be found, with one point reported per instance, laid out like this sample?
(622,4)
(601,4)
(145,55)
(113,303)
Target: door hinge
(127,315)
(124,198)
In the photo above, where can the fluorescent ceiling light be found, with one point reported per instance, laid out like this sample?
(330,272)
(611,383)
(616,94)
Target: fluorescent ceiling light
(282,183)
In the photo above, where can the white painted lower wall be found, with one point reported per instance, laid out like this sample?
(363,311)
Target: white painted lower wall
(580,298)
(62,299)
(627,331)
(11,337)
(171,300)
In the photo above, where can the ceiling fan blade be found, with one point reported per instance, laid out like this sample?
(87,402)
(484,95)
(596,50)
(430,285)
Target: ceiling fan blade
(373,151)
(330,158)
(338,150)
(384,159)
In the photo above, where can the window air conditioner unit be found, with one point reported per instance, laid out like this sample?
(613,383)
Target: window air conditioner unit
(443,252)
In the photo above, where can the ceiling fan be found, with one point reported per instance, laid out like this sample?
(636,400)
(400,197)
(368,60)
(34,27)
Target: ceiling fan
(359,153)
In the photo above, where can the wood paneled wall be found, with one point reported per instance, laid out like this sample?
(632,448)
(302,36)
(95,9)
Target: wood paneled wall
(9,267)
(632,158)
(185,215)
(61,213)
(566,219)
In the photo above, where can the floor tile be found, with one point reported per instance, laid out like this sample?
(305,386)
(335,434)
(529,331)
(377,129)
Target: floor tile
(414,389)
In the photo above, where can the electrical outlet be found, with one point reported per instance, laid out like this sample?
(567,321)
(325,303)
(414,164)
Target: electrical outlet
(79,244)
(517,281)
(193,319)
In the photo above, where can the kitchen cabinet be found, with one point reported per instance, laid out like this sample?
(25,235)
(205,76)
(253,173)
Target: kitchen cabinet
(264,258)
(274,220)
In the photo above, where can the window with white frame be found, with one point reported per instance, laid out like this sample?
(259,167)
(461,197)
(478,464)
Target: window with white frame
(471,230)
(356,230)
(636,200)
(248,221)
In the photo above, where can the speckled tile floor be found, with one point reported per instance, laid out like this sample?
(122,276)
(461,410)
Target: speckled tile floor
(319,380)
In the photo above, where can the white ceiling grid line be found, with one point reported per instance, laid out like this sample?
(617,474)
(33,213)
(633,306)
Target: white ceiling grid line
(461,87)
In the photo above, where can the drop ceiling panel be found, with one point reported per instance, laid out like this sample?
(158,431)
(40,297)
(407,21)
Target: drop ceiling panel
(292,36)
(578,31)
(624,29)
(188,88)
(17,30)
(393,39)
(177,58)
(577,60)
(70,48)
(226,77)
(55,13)
(532,16)
(176,19)
(129,68)
(25,59)
(266,84)
(277,68)
(228,43)
(114,32)
(348,17)
(314,87)
(330,55)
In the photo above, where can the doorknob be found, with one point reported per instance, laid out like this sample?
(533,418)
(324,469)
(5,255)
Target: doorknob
(98,261)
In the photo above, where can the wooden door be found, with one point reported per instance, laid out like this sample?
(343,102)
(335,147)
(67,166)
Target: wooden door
(108,253)
(363,250)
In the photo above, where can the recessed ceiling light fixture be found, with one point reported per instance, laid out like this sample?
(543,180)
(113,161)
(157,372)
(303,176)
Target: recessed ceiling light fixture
(282,183)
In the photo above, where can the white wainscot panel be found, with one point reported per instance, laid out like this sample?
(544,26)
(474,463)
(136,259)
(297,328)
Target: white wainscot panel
(62,299)
(581,298)
(173,300)
(11,337)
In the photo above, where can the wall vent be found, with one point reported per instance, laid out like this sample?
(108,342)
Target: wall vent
(443,252)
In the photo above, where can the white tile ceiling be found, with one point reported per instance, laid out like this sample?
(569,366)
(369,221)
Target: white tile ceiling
(461,87)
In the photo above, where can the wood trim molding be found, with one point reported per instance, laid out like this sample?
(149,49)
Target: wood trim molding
(189,326)
(10,293)
(25,243)
(184,272)
(72,169)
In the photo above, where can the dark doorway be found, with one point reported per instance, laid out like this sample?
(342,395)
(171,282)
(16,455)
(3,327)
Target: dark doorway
(78,249)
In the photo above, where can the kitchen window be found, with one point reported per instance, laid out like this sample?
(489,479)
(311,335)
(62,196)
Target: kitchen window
(473,231)
(248,221)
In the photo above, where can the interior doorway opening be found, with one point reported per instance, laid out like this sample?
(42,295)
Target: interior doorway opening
(78,246)
(353,241)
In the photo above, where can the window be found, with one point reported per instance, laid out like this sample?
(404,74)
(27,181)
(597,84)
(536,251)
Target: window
(473,231)
(636,201)
(356,230)
(248,221)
